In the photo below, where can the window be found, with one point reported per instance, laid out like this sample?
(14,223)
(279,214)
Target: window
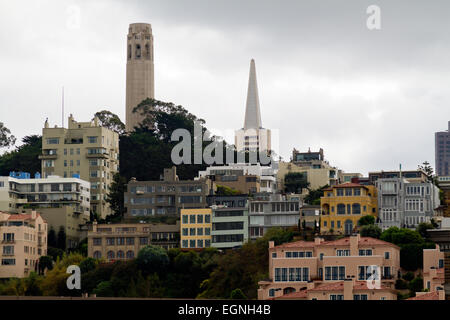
(97,241)
(185,231)
(271,292)
(441,263)
(365,252)
(110,254)
(144,240)
(207,218)
(8,250)
(320,273)
(341,208)
(130,241)
(387,255)
(120,254)
(199,231)
(192,218)
(199,218)
(199,243)
(356,208)
(130,254)
(207,231)
(274,254)
(192,231)
(341,253)
(184,243)
(97,255)
(92,139)
(321,256)
(185,218)
(336,297)
(360,297)
(192,243)
(120,241)
(52,140)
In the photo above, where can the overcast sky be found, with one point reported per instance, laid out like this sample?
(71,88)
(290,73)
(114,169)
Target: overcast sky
(370,98)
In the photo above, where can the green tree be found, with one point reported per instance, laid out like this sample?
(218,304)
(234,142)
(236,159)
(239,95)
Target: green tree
(427,169)
(6,138)
(51,238)
(314,195)
(87,265)
(295,182)
(24,158)
(32,285)
(415,285)
(237,294)
(110,121)
(61,238)
(45,262)
(370,230)
(423,228)
(226,191)
(152,259)
(115,197)
(104,289)
(366,220)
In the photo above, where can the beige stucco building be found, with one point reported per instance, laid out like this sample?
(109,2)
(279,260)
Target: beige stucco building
(85,150)
(123,241)
(140,70)
(62,202)
(23,242)
(293,266)
(433,269)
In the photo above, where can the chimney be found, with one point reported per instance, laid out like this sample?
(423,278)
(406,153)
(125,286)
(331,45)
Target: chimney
(348,288)
(354,240)
(94,226)
(310,285)
(271,244)
(318,240)
(33,214)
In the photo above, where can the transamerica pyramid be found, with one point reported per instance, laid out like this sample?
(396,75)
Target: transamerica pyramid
(252,110)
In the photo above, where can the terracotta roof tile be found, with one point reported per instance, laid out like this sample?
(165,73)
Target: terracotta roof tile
(427,296)
(339,286)
(341,242)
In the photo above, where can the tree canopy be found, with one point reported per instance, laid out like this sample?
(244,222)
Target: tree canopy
(6,138)
(110,121)
(24,158)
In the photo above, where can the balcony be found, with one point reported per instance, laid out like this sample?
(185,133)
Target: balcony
(8,241)
(8,254)
(47,156)
(97,155)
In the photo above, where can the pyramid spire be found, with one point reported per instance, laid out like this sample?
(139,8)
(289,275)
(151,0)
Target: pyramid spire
(252,111)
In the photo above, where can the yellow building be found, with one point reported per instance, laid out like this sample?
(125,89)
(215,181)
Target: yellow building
(195,228)
(343,205)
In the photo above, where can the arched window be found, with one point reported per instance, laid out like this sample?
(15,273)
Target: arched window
(341,208)
(97,255)
(356,208)
(129,51)
(130,254)
(120,254)
(110,254)
(138,51)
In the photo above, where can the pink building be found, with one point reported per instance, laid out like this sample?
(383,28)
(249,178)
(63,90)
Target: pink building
(309,265)
(433,269)
(23,242)
(348,289)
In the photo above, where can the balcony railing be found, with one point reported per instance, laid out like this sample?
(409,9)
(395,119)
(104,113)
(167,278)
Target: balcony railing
(8,241)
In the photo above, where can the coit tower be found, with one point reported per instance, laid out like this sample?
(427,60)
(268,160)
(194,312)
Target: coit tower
(140,71)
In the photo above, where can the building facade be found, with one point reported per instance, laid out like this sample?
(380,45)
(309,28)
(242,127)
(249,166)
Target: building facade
(229,226)
(140,82)
(409,175)
(164,197)
(62,202)
(405,204)
(23,242)
(258,176)
(444,185)
(84,149)
(433,269)
(123,241)
(442,152)
(272,210)
(196,225)
(253,137)
(310,216)
(293,265)
(343,205)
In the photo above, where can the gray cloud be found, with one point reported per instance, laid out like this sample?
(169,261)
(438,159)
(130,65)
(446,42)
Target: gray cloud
(371,99)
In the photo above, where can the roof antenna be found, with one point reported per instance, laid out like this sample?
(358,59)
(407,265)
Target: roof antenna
(62,115)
